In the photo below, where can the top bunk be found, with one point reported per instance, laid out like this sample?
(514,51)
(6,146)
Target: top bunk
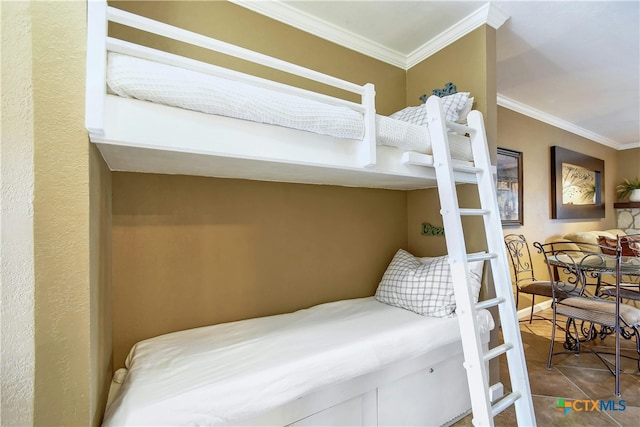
(157,112)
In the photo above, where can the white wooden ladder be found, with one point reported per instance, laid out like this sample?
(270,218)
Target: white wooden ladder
(476,359)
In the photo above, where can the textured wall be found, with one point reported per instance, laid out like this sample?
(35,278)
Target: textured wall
(65,393)
(101,344)
(16,226)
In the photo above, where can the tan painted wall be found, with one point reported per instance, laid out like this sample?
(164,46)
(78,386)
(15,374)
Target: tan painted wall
(628,165)
(101,345)
(61,216)
(231,23)
(17,275)
(71,342)
(534,139)
(192,251)
(470,64)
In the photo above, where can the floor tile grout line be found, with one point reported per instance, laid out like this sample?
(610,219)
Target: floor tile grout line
(572,383)
(587,395)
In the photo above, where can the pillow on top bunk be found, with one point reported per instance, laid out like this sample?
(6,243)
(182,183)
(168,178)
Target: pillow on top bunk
(451,105)
(423,286)
(464,112)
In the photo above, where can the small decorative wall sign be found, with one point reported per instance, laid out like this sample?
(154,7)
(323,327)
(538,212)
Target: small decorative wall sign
(431,230)
(448,89)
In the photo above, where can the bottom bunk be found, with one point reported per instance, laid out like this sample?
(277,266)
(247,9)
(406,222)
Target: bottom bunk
(351,362)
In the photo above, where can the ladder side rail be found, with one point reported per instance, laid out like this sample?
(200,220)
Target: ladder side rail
(499,265)
(472,346)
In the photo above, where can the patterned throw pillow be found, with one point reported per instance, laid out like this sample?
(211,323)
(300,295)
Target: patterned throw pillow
(464,112)
(452,104)
(630,247)
(425,287)
(417,115)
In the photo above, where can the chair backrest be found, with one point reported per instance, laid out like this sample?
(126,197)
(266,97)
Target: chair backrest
(520,256)
(573,269)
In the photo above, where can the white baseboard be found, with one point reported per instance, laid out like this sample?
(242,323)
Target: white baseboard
(525,312)
(496,392)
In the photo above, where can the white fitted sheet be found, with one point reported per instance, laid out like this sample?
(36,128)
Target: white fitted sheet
(132,77)
(218,374)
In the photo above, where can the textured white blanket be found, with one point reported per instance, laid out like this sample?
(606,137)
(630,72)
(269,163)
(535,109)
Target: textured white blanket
(132,77)
(217,374)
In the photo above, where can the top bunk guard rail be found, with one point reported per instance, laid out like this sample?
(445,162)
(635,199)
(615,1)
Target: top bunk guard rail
(99,14)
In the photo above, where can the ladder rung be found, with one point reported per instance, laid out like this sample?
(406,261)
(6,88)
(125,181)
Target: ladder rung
(420,159)
(466,168)
(482,256)
(505,402)
(461,129)
(489,303)
(497,351)
(474,212)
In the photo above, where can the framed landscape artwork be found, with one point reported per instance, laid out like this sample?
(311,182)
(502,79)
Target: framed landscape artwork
(577,183)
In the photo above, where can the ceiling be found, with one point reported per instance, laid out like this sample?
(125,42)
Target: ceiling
(572,64)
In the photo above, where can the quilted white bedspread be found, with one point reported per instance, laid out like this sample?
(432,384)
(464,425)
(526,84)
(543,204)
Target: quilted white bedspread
(132,77)
(217,374)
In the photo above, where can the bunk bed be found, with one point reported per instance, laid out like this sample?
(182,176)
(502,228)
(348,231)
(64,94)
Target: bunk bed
(147,109)
(361,361)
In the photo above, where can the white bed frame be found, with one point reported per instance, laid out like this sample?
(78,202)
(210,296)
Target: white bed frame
(430,390)
(140,136)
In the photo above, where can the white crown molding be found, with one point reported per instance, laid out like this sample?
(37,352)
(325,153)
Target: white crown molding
(298,19)
(630,145)
(552,120)
(496,17)
(488,14)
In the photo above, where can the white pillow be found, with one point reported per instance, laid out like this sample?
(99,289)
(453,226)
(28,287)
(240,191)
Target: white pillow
(424,287)
(416,115)
(451,104)
(475,274)
(464,112)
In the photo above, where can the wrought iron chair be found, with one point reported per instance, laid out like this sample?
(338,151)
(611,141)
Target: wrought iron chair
(611,315)
(525,278)
(630,285)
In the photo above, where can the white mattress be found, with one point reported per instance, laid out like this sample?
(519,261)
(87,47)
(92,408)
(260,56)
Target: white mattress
(223,373)
(133,77)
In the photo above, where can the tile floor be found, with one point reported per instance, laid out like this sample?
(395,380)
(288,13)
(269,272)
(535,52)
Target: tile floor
(572,378)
